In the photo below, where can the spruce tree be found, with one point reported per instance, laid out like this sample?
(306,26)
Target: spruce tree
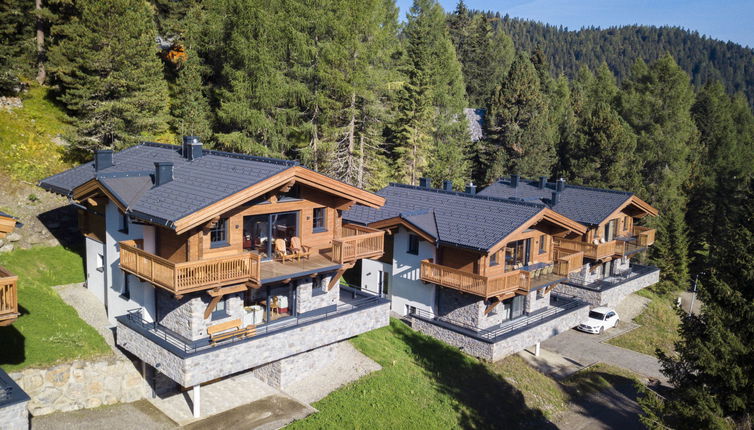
(519,132)
(656,102)
(109,75)
(16,43)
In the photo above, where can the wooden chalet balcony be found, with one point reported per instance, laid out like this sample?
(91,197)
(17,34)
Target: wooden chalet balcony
(590,250)
(357,242)
(644,236)
(8,297)
(181,278)
(567,261)
(472,283)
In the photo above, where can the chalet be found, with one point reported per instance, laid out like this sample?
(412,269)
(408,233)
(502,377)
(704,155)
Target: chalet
(8,281)
(212,263)
(612,238)
(477,272)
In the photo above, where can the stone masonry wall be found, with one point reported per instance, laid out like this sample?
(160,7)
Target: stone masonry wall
(308,300)
(186,316)
(535,303)
(81,384)
(241,356)
(507,346)
(460,307)
(613,296)
(15,417)
(282,373)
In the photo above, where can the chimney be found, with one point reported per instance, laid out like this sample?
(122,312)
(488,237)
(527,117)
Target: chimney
(554,199)
(192,148)
(163,172)
(560,185)
(103,158)
(514,181)
(542,182)
(425,182)
(471,188)
(447,185)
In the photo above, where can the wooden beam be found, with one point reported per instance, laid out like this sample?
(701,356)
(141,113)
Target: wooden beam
(491,306)
(211,306)
(227,290)
(345,206)
(336,278)
(253,284)
(287,187)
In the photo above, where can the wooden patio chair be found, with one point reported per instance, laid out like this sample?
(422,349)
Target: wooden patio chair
(281,251)
(298,249)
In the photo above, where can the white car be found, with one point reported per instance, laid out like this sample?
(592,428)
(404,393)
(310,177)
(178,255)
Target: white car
(600,319)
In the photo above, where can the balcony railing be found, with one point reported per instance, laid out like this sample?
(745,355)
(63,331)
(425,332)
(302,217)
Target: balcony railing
(357,242)
(467,282)
(567,261)
(590,250)
(8,297)
(181,278)
(644,236)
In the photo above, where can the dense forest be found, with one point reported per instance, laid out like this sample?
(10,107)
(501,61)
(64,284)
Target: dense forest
(353,92)
(703,58)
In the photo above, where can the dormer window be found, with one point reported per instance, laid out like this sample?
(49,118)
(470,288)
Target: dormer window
(218,236)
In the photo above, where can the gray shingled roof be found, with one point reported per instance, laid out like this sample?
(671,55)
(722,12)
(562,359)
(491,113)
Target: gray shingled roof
(583,204)
(454,218)
(475,118)
(196,184)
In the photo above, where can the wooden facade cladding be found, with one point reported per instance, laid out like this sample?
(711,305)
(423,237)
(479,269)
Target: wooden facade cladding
(186,277)
(7,225)
(641,237)
(8,297)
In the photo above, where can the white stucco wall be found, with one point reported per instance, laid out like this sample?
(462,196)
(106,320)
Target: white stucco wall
(371,272)
(112,284)
(406,287)
(95,279)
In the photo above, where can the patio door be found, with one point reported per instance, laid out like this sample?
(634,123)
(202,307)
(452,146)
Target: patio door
(260,231)
(518,254)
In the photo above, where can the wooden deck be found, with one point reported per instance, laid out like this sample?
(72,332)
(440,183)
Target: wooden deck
(8,297)
(275,270)
(467,282)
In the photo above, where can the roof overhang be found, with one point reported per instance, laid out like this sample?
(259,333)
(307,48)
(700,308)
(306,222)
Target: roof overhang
(546,214)
(643,209)
(402,222)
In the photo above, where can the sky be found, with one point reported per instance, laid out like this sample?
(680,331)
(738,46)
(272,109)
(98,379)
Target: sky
(720,19)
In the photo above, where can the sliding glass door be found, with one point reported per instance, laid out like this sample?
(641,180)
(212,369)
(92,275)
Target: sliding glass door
(261,231)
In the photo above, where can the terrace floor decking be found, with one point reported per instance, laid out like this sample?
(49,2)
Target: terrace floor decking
(273,271)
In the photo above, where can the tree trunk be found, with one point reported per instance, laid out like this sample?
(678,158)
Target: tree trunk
(360,180)
(41,72)
(351,140)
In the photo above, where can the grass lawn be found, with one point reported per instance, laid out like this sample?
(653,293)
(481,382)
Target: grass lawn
(659,326)
(48,330)
(426,384)
(27,149)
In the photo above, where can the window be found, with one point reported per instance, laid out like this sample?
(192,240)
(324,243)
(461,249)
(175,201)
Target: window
(220,311)
(100,263)
(218,235)
(542,243)
(413,244)
(493,260)
(293,194)
(319,220)
(123,223)
(410,310)
(318,287)
(625,223)
(126,292)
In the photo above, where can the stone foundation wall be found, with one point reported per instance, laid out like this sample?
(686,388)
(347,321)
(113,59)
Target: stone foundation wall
(81,385)
(457,306)
(282,373)
(222,361)
(15,416)
(535,303)
(612,296)
(510,345)
(186,316)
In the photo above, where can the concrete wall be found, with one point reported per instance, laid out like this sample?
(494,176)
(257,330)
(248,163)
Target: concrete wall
(222,361)
(185,317)
(406,288)
(15,416)
(81,384)
(612,296)
(516,342)
(371,271)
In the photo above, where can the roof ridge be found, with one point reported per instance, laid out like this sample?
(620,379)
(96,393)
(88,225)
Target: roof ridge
(226,154)
(506,181)
(470,196)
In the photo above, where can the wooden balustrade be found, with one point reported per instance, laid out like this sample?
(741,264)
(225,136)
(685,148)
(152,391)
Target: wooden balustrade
(567,261)
(180,278)
(590,250)
(357,242)
(472,283)
(8,297)
(644,236)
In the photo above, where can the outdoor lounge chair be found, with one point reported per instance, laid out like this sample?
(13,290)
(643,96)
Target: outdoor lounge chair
(298,250)
(281,251)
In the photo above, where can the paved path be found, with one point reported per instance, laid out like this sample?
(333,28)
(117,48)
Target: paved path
(139,415)
(90,309)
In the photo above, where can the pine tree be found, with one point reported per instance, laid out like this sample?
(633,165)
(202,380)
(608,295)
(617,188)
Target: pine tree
(656,102)
(413,127)
(434,75)
(518,129)
(109,75)
(16,43)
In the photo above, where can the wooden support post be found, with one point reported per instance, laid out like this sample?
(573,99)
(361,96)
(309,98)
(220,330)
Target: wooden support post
(211,306)
(336,278)
(197,400)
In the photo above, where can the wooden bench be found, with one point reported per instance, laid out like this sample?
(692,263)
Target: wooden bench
(228,330)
